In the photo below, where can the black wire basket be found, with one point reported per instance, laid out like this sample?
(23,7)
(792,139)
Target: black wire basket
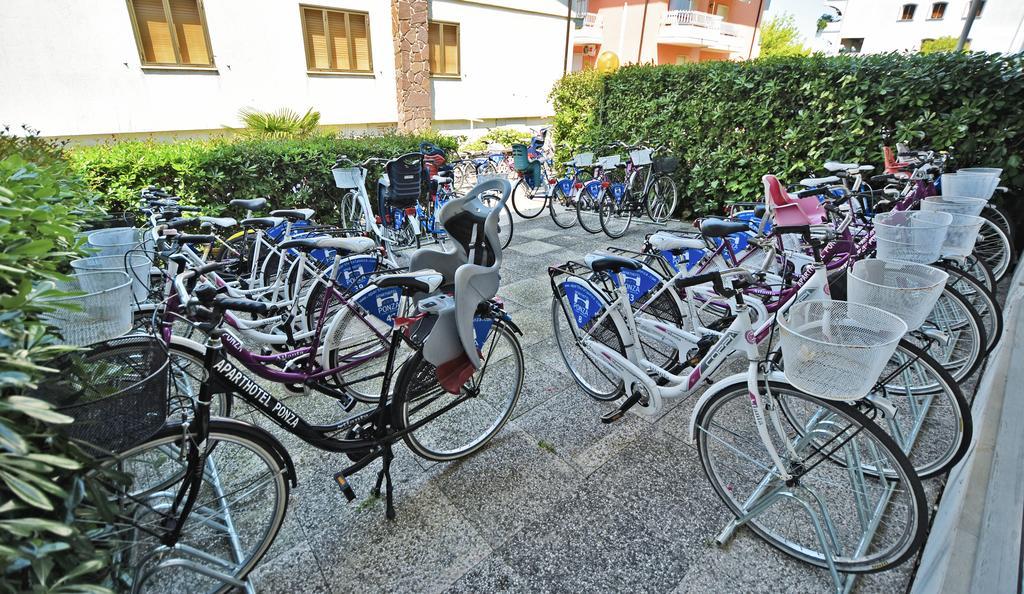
(666,164)
(117,392)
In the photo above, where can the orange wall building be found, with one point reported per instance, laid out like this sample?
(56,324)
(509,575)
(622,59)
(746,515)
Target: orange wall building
(664,31)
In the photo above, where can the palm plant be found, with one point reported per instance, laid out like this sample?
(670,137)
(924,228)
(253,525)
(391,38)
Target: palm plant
(283,123)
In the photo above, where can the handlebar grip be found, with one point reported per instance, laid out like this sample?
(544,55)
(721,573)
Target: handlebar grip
(245,305)
(189,208)
(214,266)
(183,223)
(813,192)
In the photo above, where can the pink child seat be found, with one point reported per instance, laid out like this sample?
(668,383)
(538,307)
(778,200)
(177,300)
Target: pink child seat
(788,210)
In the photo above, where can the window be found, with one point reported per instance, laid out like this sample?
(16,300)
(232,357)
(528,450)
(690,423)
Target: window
(171,32)
(444,49)
(336,40)
(938,10)
(851,45)
(977,15)
(907,14)
(720,9)
(680,4)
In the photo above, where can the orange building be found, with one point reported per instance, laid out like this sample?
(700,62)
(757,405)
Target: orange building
(664,31)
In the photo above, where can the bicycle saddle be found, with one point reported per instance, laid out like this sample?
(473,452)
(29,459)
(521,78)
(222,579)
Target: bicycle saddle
(252,204)
(721,228)
(834,166)
(669,241)
(347,245)
(441,179)
(811,182)
(601,262)
(420,281)
(265,222)
(219,221)
(298,214)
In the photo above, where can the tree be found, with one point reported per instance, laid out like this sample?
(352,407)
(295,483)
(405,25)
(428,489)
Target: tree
(941,44)
(779,37)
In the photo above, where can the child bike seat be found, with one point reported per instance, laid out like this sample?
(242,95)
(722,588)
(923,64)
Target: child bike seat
(790,211)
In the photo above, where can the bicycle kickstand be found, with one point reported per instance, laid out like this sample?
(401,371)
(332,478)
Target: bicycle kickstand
(384,477)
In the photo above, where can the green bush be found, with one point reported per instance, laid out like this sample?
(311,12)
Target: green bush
(732,122)
(291,172)
(505,136)
(45,504)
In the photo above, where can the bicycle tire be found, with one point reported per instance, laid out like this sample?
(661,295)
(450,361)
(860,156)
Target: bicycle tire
(995,249)
(793,538)
(562,323)
(562,210)
(225,439)
(981,298)
(615,217)
(1001,217)
(955,316)
(416,390)
(663,192)
(522,199)
(586,210)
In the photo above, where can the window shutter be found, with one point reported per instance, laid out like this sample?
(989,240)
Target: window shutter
(337,31)
(316,44)
(434,40)
(188,25)
(360,42)
(154,32)
(451,49)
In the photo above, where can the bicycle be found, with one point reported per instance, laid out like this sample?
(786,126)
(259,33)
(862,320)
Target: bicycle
(649,189)
(562,203)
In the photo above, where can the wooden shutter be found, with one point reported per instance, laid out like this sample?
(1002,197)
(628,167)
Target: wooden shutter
(436,50)
(450,34)
(337,32)
(188,25)
(360,35)
(317,56)
(154,32)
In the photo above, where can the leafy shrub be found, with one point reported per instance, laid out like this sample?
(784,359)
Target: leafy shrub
(46,510)
(505,136)
(780,37)
(939,44)
(283,123)
(732,122)
(291,172)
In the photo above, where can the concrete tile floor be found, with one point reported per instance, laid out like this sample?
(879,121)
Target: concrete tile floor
(557,502)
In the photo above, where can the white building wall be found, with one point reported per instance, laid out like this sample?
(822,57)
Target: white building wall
(805,15)
(71,67)
(999,29)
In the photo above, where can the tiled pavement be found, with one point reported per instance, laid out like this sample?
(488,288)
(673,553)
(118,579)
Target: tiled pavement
(557,502)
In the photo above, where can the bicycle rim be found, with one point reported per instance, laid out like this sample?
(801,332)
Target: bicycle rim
(562,210)
(983,302)
(597,382)
(526,201)
(483,407)
(661,200)
(615,216)
(954,316)
(993,247)
(239,510)
(586,211)
(843,496)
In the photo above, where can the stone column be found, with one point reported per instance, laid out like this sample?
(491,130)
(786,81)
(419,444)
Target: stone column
(412,67)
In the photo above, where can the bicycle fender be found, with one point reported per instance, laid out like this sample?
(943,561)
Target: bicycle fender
(720,386)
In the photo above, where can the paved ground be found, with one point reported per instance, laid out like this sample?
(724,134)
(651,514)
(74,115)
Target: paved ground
(558,502)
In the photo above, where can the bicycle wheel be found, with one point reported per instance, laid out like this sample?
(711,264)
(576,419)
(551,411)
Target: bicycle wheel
(974,266)
(1002,219)
(186,376)
(962,351)
(662,199)
(615,215)
(981,299)
(562,209)
(241,504)
(351,213)
(458,425)
(597,382)
(994,248)
(465,176)
(844,497)
(587,211)
(526,201)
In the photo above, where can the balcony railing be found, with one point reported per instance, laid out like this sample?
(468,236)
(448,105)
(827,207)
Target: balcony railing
(589,28)
(591,19)
(693,18)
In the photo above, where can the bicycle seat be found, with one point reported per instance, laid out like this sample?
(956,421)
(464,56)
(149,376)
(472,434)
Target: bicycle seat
(419,281)
(441,179)
(252,204)
(298,214)
(669,241)
(264,222)
(599,262)
(834,166)
(721,228)
(791,211)
(347,245)
(219,221)
(819,181)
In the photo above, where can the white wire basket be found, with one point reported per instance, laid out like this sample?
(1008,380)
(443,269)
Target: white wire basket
(836,350)
(349,178)
(102,310)
(961,236)
(911,236)
(641,157)
(974,185)
(118,241)
(905,289)
(137,266)
(996,171)
(609,162)
(954,205)
(583,160)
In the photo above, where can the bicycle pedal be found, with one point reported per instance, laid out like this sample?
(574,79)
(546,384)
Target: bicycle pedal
(346,489)
(620,412)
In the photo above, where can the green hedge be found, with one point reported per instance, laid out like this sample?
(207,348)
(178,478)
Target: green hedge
(732,122)
(211,172)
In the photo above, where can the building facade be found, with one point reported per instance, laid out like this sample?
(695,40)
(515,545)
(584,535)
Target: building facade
(665,31)
(89,69)
(876,26)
